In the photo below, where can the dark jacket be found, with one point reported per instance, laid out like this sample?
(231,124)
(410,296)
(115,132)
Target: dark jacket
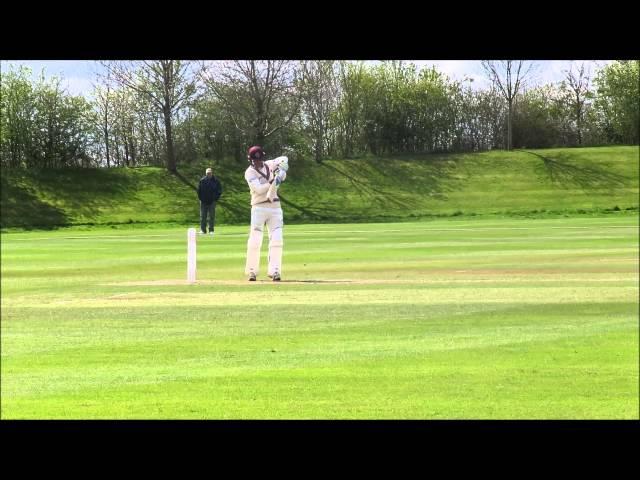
(209,189)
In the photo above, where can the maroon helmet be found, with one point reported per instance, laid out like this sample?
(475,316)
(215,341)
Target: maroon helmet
(255,153)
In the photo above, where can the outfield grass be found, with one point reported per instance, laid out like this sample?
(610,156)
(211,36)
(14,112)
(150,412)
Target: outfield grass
(445,319)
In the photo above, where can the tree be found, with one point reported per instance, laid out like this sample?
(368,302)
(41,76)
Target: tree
(149,124)
(578,85)
(259,96)
(618,100)
(431,96)
(17,99)
(319,91)
(124,120)
(509,76)
(63,127)
(103,100)
(167,84)
(537,122)
(349,115)
(215,135)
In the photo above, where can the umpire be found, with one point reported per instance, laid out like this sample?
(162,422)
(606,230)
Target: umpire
(209,191)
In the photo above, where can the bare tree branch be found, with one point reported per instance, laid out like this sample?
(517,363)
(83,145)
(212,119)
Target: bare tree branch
(501,74)
(166,83)
(257,94)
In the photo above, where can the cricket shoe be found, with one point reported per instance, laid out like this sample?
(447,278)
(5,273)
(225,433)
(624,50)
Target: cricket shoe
(252,277)
(275,277)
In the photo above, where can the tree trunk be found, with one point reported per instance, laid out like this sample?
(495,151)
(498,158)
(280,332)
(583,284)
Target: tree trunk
(106,135)
(117,150)
(126,151)
(578,119)
(318,149)
(106,141)
(132,150)
(509,132)
(156,135)
(171,158)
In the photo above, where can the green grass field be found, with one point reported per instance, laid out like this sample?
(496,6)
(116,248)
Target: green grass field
(477,318)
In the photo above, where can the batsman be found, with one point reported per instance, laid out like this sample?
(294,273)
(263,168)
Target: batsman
(264,178)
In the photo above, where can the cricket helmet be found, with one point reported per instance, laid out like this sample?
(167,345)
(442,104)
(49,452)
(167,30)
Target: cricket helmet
(255,153)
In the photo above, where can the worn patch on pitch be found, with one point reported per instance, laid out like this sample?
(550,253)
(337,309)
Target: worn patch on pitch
(437,277)
(163,283)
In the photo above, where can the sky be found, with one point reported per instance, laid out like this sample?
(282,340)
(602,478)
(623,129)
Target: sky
(543,72)
(78,76)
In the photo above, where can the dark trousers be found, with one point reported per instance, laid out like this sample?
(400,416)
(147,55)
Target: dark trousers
(210,212)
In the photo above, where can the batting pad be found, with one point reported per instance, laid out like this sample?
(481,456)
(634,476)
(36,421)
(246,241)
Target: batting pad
(253,250)
(272,217)
(275,256)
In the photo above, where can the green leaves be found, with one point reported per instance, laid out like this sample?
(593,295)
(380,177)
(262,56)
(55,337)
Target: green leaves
(618,100)
(41,124)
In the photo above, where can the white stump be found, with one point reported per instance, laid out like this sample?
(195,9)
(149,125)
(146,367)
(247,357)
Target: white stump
(191,255)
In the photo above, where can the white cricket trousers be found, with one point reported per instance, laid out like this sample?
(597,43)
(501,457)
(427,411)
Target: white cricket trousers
(273,218)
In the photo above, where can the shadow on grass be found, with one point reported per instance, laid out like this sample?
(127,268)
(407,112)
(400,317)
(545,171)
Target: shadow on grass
(585,177)
(84,191)
(434,178)
(81,195)
(21,208)
(185,180)
(308,213)
(365,189)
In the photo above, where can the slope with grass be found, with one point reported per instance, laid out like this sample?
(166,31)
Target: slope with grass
(543,183)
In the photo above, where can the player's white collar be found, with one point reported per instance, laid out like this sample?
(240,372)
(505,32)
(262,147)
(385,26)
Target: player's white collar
(264,165)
